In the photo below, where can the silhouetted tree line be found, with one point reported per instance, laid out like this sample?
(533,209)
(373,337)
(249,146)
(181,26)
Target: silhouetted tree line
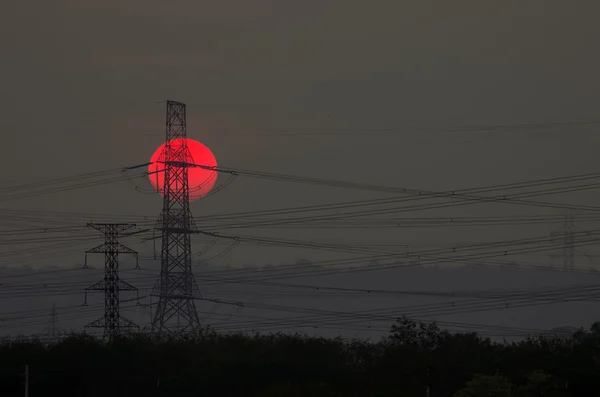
(415,359)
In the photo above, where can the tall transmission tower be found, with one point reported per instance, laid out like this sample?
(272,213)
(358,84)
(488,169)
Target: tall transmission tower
(111,284)
(176,286)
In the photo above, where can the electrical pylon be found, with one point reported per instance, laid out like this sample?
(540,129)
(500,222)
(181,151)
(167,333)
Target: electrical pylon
(52,330)
(567,237)
(112,322)
(176,287)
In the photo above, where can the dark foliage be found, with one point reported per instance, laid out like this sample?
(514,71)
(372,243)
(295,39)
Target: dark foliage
(413,358)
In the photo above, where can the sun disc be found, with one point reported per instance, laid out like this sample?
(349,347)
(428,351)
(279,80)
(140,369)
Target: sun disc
(200,180)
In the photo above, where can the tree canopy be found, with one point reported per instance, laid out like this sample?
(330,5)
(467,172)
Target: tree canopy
(414,358)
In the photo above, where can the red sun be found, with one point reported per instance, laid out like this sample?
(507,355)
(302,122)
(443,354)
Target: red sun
(200,180)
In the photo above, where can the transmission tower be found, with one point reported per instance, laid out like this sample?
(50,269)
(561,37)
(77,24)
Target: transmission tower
(176,287)
(52,330)
(112,322)
(567,238)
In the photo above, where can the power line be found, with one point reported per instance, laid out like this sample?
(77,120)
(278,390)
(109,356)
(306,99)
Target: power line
(465,195)
(62,185)
(375,131)
(414,195)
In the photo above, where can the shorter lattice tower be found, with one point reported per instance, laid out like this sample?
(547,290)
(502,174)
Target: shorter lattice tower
(568,244)
(112,322)
(567,238)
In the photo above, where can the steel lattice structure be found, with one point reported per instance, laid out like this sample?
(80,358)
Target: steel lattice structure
(566,237)
(176,287)
(112,322)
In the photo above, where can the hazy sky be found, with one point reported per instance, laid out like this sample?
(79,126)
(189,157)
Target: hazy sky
(81,82)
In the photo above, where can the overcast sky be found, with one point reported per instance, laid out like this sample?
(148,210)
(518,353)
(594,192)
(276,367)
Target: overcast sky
(302,88)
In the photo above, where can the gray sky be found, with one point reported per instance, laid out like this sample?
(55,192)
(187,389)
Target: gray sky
(81,82)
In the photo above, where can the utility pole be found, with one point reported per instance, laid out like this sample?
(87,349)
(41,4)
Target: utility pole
(111,284)
(428,376)
(176,286)
(27,381)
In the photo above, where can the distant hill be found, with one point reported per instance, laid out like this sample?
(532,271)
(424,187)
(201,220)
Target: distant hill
(566,331)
